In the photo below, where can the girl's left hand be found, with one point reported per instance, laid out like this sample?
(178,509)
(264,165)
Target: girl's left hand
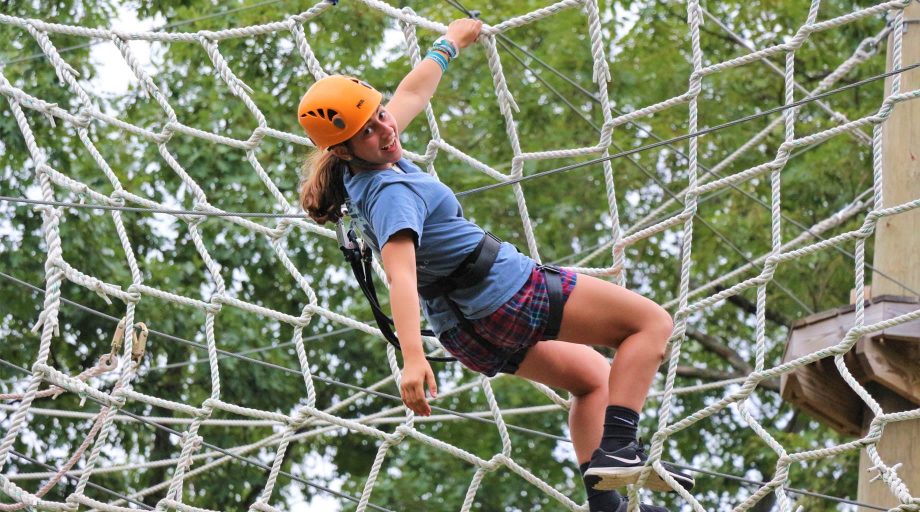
(416,375)
(463,32)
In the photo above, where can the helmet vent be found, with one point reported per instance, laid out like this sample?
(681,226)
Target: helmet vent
(312,113)
(331,113)
(361,82)
(321,113)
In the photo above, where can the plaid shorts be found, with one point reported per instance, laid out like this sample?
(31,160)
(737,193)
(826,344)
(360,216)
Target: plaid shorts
(513,328)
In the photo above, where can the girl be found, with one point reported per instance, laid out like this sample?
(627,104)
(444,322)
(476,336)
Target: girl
(491,306)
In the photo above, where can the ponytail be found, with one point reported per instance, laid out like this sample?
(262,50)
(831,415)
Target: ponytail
(322,186)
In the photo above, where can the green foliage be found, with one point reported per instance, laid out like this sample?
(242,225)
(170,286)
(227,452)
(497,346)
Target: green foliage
(649,50)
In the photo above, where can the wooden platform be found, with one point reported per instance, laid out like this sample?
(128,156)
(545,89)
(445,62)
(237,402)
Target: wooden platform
(889,359)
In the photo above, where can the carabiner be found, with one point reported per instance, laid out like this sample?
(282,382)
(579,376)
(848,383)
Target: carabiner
(342,234)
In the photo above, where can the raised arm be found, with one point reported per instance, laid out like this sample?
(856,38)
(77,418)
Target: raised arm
(417,88)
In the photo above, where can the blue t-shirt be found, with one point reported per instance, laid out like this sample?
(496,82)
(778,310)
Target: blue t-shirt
(386,201)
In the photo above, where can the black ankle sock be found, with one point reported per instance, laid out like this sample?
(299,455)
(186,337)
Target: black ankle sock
(620,425)
(598,501)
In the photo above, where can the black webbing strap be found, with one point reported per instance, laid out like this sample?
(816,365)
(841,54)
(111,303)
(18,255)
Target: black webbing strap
(360,260)
(472,270)
(553,280)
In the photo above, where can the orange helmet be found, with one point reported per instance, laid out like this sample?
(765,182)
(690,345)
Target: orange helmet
(335,108)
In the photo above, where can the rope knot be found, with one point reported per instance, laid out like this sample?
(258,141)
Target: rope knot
(206,37)
(193,442)
(134,294)
(84,117)
(215,304)
(118,37)
(117,198)
(403,431)
(278,234)
(99,288)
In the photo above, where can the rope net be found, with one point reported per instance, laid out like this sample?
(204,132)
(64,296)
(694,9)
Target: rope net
(195,455)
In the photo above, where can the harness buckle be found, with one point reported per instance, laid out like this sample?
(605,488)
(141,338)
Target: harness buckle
(345,237)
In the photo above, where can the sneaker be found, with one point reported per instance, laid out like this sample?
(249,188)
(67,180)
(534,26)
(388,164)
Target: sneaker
(622,467)
(624,503)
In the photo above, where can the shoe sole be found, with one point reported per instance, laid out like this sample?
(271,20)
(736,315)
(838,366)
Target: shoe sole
(613,480)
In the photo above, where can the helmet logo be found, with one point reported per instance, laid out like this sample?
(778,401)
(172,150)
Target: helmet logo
(359,104)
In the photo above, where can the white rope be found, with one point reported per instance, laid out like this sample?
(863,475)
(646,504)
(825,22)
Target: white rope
(285,425)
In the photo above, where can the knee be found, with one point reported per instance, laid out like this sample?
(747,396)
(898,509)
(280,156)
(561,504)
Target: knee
(660,325)
(655,326)
(595,376)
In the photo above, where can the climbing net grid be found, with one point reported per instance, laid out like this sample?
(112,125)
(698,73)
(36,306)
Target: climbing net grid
(309,420)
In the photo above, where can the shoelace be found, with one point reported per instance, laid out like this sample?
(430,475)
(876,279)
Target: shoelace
(641,450)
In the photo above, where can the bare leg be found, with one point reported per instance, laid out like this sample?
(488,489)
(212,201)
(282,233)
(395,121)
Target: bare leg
(582,372)
(601,313)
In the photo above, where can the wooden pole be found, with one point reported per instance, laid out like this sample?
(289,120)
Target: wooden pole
(897,254)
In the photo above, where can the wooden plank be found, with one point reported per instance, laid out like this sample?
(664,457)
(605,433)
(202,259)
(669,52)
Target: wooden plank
(893,364)
(825,395)
(909,331)
(897,237)
(898,445)
(897,243)
(816,336)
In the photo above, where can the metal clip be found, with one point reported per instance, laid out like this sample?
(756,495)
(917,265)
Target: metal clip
(118,338)
(140,342)
(138,347)
(341,234)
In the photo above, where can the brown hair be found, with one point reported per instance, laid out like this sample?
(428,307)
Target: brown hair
(322,186)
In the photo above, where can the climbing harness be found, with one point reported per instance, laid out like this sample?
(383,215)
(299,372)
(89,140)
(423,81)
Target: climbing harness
(472,270)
